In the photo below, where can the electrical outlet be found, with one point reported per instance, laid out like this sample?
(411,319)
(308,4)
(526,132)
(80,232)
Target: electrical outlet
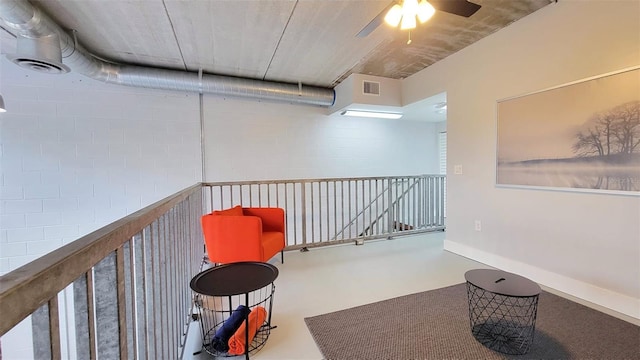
(457,169)
(478,225)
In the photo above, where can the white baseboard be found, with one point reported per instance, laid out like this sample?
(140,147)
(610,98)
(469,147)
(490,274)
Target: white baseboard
(620,303)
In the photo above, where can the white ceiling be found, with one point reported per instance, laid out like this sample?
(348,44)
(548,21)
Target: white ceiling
(308,41)
(426,110)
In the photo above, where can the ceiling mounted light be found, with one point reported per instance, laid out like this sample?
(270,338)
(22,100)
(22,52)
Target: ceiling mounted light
(2,108)
(405,15)
(371,114)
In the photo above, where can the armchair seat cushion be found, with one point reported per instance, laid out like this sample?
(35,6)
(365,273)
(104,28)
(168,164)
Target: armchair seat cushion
(272,243)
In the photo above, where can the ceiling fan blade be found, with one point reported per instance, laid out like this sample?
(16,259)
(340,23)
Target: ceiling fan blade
(377,21)
(456,7)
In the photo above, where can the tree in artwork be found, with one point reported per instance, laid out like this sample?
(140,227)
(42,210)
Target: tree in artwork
(615,132)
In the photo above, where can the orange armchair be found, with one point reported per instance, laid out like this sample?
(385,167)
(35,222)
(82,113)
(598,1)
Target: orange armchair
(244,234)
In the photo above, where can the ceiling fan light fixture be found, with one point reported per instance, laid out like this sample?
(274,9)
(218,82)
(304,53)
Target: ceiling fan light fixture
(394,15)
(425,11)
(405,14)
(408,22)
(409,10)
(410,7)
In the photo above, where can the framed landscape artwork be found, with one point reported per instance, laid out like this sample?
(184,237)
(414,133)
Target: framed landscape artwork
(584,136)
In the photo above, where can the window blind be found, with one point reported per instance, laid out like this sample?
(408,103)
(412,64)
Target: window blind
(442,156)
(442,152)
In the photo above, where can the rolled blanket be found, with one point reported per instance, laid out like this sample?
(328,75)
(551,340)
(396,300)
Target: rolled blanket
(256,319)
(220,340)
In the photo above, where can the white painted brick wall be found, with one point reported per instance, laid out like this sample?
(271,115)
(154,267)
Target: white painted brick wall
(41,191)
(13,221)
(35,220)
(4,265)
(13,192)
(23,233)
(61,232)
(21,206)
(77,154)
(62,204)
(13,249)
(249,140)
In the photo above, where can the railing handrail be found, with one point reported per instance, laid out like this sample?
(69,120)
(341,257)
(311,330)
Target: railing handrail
(290,181)
(25,289)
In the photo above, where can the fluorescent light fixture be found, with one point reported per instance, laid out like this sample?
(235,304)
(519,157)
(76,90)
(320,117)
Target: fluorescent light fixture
(371,114)
(2,108)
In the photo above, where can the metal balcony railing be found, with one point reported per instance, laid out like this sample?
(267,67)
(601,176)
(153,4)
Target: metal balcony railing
(128,283)
(332,211)
(122,291)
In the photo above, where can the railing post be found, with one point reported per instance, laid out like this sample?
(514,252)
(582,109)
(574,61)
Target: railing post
(140,290)
(390,206)
(303,200)
(442,197)
(84,309)
(106,303)
(46,331)
(126,312)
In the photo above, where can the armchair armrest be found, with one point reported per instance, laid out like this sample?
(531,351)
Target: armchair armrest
(272,218)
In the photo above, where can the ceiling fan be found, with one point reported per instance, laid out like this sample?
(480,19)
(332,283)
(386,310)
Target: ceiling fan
(456,7)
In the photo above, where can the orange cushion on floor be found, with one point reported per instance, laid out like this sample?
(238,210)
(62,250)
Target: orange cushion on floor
(256,319)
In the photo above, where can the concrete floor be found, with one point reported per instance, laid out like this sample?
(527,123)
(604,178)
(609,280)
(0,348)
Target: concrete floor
(333,278)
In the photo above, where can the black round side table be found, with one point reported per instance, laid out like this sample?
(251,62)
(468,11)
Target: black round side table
(234,293)
(502,309)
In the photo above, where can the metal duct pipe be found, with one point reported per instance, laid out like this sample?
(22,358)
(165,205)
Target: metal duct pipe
(28,21)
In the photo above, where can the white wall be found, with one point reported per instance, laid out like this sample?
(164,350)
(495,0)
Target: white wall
(77,154)
(251,140)
(585,244)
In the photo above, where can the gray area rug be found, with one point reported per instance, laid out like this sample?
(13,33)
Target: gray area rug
(435,325)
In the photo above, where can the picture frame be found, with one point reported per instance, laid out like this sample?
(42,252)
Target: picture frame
(581,136)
